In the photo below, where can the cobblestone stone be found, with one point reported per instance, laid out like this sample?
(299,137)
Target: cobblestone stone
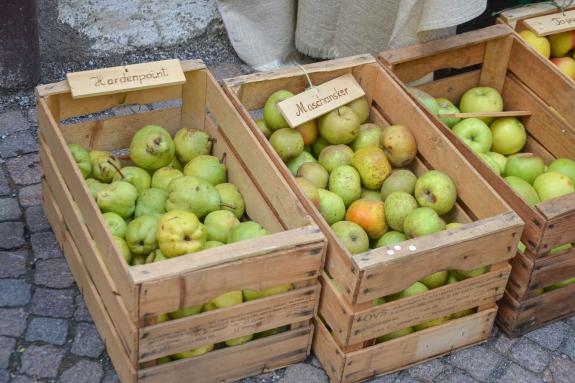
(427,371)
(87,341)
(503,344)
(9,209)
(455,376)
(516,374)
(5,188)
(14,292)
(13,263)
(18,143)
(13,321)
(111,377)
(12,121)
(53,272)
(48,330)
(389,378)
(563,370)
(6,349)
(30,195)
(83,372)
(23,379)
(4,376)
(36,220)
(302,372)
(53,303)
(81,313)
(569,346)
(530,355)
(42,361)
(45,245)
(12,235)
(550,336)
(25,170)
(478,362)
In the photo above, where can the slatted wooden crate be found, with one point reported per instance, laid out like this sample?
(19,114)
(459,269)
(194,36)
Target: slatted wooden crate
(125,301)
(506,63)
(489,237)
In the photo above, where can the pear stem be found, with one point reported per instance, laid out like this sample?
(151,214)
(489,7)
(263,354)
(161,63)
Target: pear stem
(223,159)
(117,168)
(212,139)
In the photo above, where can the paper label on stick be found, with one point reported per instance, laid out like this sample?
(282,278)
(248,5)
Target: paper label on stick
(125,78)
(320,100)
(552,23)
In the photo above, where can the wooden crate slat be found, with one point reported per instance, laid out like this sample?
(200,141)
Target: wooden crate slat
(452,87)
(494,64)
(553,269)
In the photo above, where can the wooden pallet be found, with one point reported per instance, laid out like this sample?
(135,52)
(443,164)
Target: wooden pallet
(489,237)
(509,65)
(126,301)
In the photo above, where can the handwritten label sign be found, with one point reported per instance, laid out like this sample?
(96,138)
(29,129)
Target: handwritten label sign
(552,23)
(320,99)
(125,78)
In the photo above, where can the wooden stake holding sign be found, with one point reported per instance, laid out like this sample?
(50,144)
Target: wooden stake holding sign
(551,24)
(320,100)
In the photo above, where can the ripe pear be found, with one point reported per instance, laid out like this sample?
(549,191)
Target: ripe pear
(151,202)
(118,197)
(163,176)
(288,143)
(239,340)
(352,236)
(361,108)
(82,159)
(371,194)
(138,260)
(552,185)
(176,164)
(194,352)
(152,147)
(464,274)
(399,145)
(186,312)
(250,295)
(156,256)
(390,238)
(261,124)
(524,189)
(192,194)
(369,135)
(370,215)
(422,221)
(191,143)
(560,249)
(372,165)
(231,298)
(436,190)
(426,99)
(231,199)
(340,126)
(524,165)
(272,116)
(435,280)
(564,166)
(558,285)
(207,168)
(212,244)
(308,131)
(246,230)
(141,234)
(318,146)
(270,332)
(180,232)
(115,224)
(219,224)
(399,180)
(294,164)
(104,165)
(453,225)
(331,206)
(416,288)
(333,156)
(446,107)
(138,177)
(315,173)
(345,182)
(123,248)
(395,334)
(430,323)
(398,205)
(309,190)
(95,186)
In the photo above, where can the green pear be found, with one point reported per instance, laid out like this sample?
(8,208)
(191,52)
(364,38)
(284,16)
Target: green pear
(422,221)
(310,191)
(453,225)
(228,299)
(333,156)
(345,181)
(272,115)
(369,135)
(499,158)
(212,244)
(307,148)
(451,278)
(138,177)
(124,248)
(398,205)
(558,285)
(524,189)
(426,99)
(560,249)
(246,230)
(104,165)
(435,280)
(231,199)
(524,165)
(152,147)
(82,158)
(209,306)
(115,224)
(331,206)
(340,126)
(294,164)
(564,166)
(186,312)
(318,146)
(361,108)
(151,202)
(416,288)
(270,332)
(261,124)
(395,334)
(378,301)
(219,224)
(192,194)
(399,180)
(138,259)
(352,236)
(208,168)
(372,165)
(390,238)
(193,353)
(436,190)
(164,360)
(118,197)
(250,295)
(141,234)
(490,162)
(163,176)
(179,233)
(190,143)
(176,164)
(521,247)
(552,185)
(95,186)
(239,340)
(430,323)
(461,314)
(446,107)
(371,194)
(288,143)
(464,274)
(156,256)
(315,173)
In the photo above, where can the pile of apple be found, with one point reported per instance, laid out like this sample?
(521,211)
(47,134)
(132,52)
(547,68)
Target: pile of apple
(559,47)
(156,208)
(355,173)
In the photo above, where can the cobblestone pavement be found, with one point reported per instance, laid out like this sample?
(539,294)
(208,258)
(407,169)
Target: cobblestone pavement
(47,335)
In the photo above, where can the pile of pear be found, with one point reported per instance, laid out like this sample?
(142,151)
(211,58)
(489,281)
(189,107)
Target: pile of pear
(356,174)
(558,47)
(170,199)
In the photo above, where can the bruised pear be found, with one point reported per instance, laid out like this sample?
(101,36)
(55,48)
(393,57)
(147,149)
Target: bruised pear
(294,165)
(308,189)
(333,156)
(180,232)
(231,199)
(247,230)
(163,176)
(315,173)
(288,143)
(141,234)
(152,147)
(191,143)
(219,224)
(82,159)
(104,165)
(95,186)
(399,145)
(208,168)
(372,165)
(192,194)
(115,224)
(118,197)
(151,202)
(369,135)
(136,176)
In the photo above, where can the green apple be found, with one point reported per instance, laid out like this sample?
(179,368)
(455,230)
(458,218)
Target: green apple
(524,189)
(500,159)
(524,165)
(490,162)
(552,185)
(475,133)
(422,221)
(416,288)
(272,115)
(481,99)
(447,107)
(424,98)
(390,238)
(509,135)
(395,334)
(340,126)
(435,280)
(352,236)
(564,166)
(436,190)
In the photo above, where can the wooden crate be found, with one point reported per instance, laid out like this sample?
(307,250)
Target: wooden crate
(126,301)
(489,237)
(507,64)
